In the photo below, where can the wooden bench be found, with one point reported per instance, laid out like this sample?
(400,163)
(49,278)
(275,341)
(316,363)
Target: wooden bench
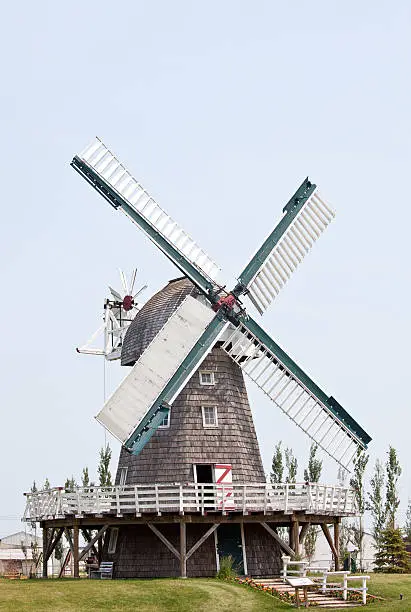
(104,572)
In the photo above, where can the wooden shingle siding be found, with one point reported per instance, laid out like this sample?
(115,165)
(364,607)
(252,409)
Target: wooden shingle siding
(263,552)
(171,453)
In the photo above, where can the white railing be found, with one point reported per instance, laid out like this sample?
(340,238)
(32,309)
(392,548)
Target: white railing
(190,497)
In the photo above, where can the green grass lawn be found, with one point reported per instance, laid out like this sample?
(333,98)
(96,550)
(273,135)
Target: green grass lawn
(199,595)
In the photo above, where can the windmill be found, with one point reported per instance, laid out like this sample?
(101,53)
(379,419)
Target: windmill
(119,311)
(196,327)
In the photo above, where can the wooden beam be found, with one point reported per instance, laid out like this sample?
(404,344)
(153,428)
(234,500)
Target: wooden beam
(202,540)
(337,544)
(76,551)
(183,550)
(295,542)
(45,545)
(92,542)
(87,537)
(52,545)
(164,540)
(277,538)
(69,539)
(303,532)
(329,539)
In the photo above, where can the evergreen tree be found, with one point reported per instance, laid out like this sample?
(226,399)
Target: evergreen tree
(33,487)
(392,557)
(277,466)
(291,465)
(46,486)
(312,474)
(104,467)
(357,483)
(392,501)
(376,503)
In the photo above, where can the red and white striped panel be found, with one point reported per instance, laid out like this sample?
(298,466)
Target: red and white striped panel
(224,478)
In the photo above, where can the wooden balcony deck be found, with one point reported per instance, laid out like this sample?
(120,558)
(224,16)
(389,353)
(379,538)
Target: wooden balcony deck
(179,498)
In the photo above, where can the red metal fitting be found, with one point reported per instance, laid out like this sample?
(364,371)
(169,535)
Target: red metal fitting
(228,301)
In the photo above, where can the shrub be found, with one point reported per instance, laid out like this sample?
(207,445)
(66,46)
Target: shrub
(227,568)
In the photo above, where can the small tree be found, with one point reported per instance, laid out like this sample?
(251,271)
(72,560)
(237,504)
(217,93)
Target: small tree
(408,522)
(277,466)
(393,557)
(46,486)
(392,501)
(291,465)
(85,479)
(357,483)
(70,484)
(104,467)
(376,503)
(312,474)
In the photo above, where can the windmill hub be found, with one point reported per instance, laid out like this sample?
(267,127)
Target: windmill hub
(128,302)
(228,301)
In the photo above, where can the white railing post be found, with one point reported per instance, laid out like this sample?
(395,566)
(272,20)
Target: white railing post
(244,499)
(364,590)
(136,502)
(286,498)
(181,501)
(345,587)
(157,499)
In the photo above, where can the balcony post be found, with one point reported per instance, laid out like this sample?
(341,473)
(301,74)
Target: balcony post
(337,543)
(76,550)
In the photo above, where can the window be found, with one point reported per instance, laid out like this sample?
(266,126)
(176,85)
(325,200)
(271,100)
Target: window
(209,416)
(113,541)
(122,476)
(166,421)
(206,378)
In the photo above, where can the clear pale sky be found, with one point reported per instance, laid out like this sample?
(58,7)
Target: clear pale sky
(220,109)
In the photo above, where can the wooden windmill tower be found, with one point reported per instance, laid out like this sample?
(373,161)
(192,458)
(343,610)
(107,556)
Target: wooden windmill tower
(190,485)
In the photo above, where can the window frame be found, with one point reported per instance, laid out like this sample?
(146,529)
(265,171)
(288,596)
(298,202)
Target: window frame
(168,421)
(209,425)
(122,481)
(112,543)
(207,384)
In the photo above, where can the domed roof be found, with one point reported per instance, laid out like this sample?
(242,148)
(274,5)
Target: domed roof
(153,316)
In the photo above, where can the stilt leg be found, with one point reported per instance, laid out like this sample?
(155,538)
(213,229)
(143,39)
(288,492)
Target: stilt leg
(337,544)
(45,546)
(76,551)
(183,550)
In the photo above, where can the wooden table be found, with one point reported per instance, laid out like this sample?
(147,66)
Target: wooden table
(300,583)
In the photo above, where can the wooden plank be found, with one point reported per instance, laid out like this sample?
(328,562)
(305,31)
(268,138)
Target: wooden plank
(277,538)
(202,540)
(164,540)
(92,542)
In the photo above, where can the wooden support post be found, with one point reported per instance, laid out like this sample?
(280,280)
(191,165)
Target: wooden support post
(303,533)
(100,549)
(183,550)
(45,546)
(76,555)
(295,542)
(337,543)
(329,539)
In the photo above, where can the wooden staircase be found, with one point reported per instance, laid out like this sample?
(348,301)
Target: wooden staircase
(316,598)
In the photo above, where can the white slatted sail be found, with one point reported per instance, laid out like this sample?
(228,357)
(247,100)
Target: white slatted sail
(289,251)
(124,410)
(109,168)
(292,396)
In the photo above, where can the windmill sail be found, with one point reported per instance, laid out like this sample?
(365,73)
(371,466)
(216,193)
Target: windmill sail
(137,407)
(110,178)
(305,218)
(319,416)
